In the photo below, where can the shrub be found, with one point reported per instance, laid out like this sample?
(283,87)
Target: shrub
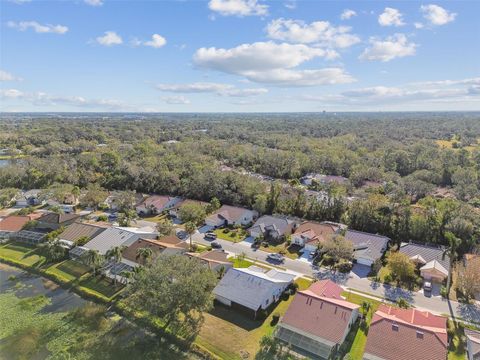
(226,230)
(387,279)
(443,291)
(275,319)
(402,303)
(12,278)
(344,267)
(102,218)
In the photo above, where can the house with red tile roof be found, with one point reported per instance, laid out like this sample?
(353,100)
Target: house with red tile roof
(11,225)
(309,234)
(399,334)
(156,204)
(318,320)
(231,215)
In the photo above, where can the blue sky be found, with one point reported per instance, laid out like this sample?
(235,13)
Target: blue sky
(239,55)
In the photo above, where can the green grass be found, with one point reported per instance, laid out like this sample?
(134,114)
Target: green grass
(100,286)
(21,253)
(457,348)
(68,270)
(241,263)
(303,283)
(233,235)
(291,251)
(155,218)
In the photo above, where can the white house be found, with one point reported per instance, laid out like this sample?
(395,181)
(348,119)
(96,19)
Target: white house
(156,204)
(231,215)
(252,289)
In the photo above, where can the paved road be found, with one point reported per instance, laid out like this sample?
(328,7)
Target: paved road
(434,304)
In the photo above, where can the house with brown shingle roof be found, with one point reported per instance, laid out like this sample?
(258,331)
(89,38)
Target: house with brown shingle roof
(231,215)
(399,334)
(53,221)
(156,204)
(309,234)
(318,320)
(214,259)
(10,225)
(78,230)
(166,245)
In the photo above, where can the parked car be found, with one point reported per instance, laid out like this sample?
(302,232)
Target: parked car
(427,286)
(182,235)
(216,245)
(210,236)
(276,257)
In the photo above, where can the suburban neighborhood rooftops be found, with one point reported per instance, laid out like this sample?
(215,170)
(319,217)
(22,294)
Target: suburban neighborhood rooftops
(251,286)
(229,213)
(315,232)
(318,316)
(157,201)
(212,258)
(77,230)
(326,288)
(157,246)
(397,334)
(473,341)
(116,236)
(428,256)
(272,223)
(13,223)
(367,245)
(54,218)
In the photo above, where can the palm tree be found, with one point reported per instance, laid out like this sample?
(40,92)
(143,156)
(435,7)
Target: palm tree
(190,228)
(144,253)
(54,250)
(137,271)
(115,254)
(451,251)
(127,275)
(93,259)
(365,309)
(126,217)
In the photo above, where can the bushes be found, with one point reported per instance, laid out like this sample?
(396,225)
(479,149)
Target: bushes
(344,266)
(275,319)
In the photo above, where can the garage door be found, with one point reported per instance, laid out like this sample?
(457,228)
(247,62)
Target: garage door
(363,261)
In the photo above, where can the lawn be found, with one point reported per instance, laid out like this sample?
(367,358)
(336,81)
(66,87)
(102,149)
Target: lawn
(292,251)
(155,218)
(233,235)
(240,263)
(21,253)
(101,286)
(68,270)
(457,348)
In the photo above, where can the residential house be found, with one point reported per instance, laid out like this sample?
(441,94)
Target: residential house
(473,344)
(433,262)
(174,210)
(367,248)
(54,221)
(29,198)
(214,259)
(318,320)
(156,204)
(310,234)
(252,289)
(78,230)
(231,215)
(115,236)
(112,200)
(12,224)
(312,178)
(398,334)
(473,260)
(169,245)
(32,237)
(66,208)
(271,227)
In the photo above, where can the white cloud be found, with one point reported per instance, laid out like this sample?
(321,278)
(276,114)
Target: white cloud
(390,17)
(176,100)
(437,15)
(287,77)
(418,25)
(319,32)
(94,2)
(110,38)
(392,47)
(10,93)
(6,76)
(348,14)
(291,4)
(157,41)
(38,28)
(208,87)
(238,7)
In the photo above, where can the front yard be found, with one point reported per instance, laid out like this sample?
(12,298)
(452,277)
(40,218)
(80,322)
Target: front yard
(291,251)
(233,235)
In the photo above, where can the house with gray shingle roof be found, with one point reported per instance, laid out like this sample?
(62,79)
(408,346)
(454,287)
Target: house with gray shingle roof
(473,344)
(271,227)
(433,262)
(367,248)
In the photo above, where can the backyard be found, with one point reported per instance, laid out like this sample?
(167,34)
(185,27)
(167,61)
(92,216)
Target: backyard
(68,270)
(21,253)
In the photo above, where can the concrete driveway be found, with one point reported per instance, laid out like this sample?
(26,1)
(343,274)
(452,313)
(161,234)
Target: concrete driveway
(360,271)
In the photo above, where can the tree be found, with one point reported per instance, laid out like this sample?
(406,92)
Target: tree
(93,258)
(177,289)
(125,200)
(451,251)
(192,212)
(165,227)
(7,196)
(54,250)
(213,206)
(94,197)
(260,204)
(126,217)
(366,306)
(115,255)
(338,248)
(468,281)
(146,254)
(401,267)
(82,240)
(190,228)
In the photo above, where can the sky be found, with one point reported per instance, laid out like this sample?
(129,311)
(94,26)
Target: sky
(239,56)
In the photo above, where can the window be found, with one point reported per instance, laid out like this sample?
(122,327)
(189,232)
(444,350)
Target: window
(419,335)
(394,327)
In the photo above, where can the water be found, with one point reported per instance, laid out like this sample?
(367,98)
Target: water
(3,163)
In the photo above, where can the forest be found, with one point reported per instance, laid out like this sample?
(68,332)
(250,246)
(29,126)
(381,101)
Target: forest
(412,176)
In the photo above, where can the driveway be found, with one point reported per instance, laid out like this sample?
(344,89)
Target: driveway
(360,271)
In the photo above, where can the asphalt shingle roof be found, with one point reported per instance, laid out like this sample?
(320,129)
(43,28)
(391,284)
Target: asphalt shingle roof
(367,245)
(428,253)
(77,230)
(116,237)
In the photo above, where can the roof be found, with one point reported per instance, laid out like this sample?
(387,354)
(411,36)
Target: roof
(156,201)
(27,235)
(54,218)
(397,334)
(310,312)
(326,288)
(427,253)
(229,213)
(367,245)
(213,257)
(13,223)
(268,223)
(251,286)
(115,236)
(473,339)
(157,246)
(316,232)
(77,230)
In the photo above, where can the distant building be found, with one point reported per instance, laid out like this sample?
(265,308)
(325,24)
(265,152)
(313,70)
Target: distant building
(309,234)
(156,204)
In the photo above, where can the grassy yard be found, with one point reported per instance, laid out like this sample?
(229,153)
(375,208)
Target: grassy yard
(155,218)
(100,286)
(21,253)
(68,270)
(240,263)
(233,235)
(292,251)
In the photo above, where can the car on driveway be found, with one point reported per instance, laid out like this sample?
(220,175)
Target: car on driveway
(216,245)
(276,257)
(210,236)
(427,287)
(182,235)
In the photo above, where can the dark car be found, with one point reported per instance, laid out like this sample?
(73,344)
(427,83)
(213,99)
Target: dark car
(210,236)
(182,235)
(216,245)
(276,257)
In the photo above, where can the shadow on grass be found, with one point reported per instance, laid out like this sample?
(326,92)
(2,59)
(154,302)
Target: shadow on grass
(101,285)
(235,317)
